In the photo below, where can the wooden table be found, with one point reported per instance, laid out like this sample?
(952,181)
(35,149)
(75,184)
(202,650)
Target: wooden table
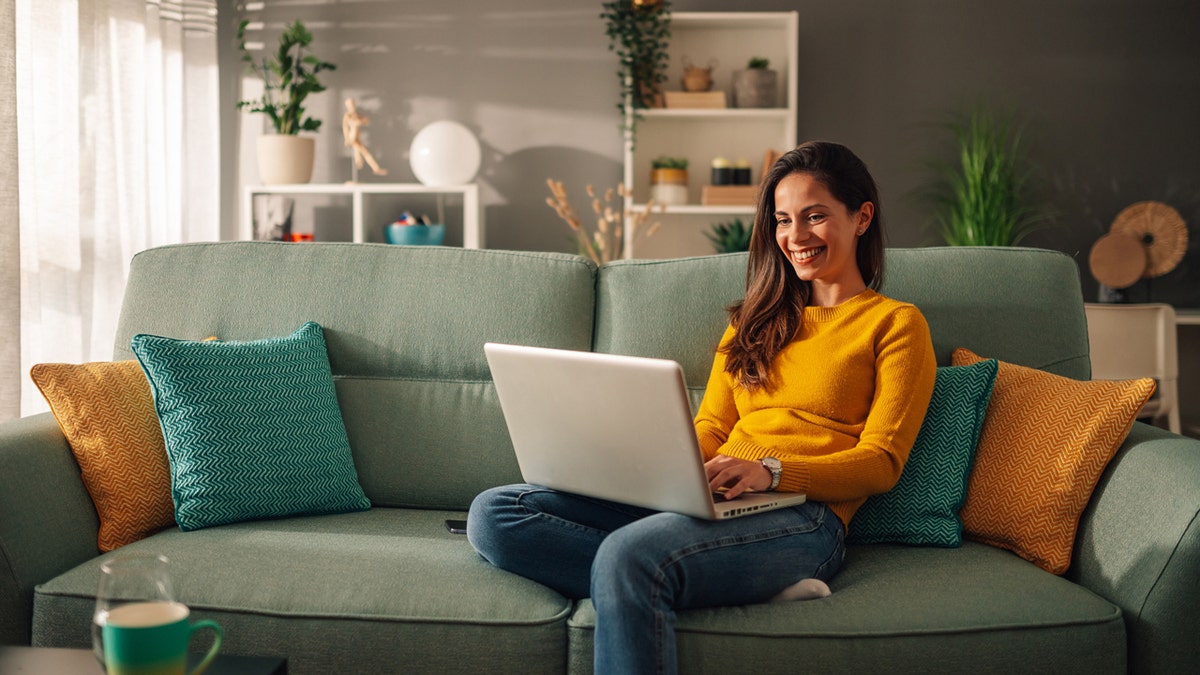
(55,661)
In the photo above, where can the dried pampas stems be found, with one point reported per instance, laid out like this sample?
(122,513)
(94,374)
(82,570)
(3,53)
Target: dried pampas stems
(607,242)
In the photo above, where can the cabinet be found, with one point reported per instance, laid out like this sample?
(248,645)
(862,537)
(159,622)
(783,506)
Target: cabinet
(730,39)
(373,205)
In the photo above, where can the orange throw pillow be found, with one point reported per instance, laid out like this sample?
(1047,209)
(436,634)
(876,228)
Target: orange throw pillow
(1045,441)
(106,411)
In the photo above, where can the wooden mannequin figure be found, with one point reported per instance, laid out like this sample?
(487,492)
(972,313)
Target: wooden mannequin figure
(352,124)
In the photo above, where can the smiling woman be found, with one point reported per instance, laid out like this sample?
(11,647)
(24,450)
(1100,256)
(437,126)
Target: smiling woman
(117,108)
(819,386)
(818,234)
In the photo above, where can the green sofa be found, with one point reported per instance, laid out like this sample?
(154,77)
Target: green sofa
(390,590)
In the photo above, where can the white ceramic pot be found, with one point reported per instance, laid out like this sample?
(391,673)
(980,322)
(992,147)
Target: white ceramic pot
(284,159)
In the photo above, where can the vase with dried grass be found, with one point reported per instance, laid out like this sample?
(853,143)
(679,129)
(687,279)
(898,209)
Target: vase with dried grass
(614,225)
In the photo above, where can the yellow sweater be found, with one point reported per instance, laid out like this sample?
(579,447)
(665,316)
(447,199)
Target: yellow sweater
(843,405)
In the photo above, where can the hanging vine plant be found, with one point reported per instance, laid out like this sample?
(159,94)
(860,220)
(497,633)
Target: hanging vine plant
(638,32)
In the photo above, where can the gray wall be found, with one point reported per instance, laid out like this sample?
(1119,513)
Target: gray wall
(1110,90)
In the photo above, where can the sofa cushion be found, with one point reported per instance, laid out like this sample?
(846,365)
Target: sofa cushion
(922,508)
(1045,441)
(386,590)
(900,609)
(252,429)
(966,296)
(405,329)
(669,309)
(106,413)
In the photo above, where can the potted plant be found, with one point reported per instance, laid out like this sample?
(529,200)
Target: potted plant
(982,200)
(638,32)
(288,78)
(730,237)
(756,85)
(668,180)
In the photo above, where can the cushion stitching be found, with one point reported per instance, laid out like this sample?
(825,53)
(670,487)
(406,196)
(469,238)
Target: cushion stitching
(566,612)
(565,257)
(1100,621)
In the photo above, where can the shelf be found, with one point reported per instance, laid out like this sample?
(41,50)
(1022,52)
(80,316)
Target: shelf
(717,113)
(472,215)
(726,42)
(352,188)
(727,20)
(696,210)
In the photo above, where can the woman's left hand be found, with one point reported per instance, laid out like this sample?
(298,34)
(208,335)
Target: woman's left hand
(736,475)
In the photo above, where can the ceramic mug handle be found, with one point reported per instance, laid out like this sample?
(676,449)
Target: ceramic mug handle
(212,652)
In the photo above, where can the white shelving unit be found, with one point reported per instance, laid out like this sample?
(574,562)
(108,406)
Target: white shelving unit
(730,39)
(362,193)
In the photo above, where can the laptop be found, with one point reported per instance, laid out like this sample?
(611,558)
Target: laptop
(614,427)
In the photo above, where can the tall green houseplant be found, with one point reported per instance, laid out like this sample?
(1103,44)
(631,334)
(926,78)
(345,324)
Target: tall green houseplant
(638,31)
(983,198)
(288,79)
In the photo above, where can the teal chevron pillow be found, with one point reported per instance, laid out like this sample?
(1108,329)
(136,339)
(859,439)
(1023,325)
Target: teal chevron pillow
(922,509)
(252,429)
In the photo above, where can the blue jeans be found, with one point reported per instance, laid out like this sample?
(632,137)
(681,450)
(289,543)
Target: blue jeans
(639,566)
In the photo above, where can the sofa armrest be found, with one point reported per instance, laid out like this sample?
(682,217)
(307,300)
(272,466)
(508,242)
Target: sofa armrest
(1138,545)
(47,521)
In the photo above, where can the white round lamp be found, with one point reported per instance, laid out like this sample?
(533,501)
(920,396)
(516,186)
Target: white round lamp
(445,153)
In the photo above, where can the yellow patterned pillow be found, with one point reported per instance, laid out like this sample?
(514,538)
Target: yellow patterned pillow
(1045,441)
(106,411)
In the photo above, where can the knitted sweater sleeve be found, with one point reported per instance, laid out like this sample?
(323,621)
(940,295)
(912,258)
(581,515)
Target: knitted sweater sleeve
(718,411)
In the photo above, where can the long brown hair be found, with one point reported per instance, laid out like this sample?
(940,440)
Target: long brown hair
(769,317)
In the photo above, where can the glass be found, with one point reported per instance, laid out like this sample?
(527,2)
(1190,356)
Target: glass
(124,580)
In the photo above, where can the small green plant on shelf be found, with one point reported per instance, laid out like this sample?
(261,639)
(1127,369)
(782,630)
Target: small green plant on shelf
(664,162)
(730,237)
(759,63)
(288,79)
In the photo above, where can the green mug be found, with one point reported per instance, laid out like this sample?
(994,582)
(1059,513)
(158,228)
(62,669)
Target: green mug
(151,638)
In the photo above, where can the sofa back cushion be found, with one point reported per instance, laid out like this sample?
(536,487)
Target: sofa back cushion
(669,309)
(1020,305)
(405,328)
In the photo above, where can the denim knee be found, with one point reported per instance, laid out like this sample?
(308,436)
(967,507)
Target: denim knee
(486,510)
(626,564)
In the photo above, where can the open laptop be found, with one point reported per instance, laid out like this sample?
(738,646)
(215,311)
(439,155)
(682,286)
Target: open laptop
(614,427)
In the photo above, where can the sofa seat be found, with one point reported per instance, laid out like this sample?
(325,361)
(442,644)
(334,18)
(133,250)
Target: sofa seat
(375,589)
(900,609)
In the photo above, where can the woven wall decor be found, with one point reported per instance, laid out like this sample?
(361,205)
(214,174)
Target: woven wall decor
(1160,229)
(1117,260)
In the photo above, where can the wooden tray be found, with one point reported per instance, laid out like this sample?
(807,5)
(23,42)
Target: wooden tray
(695,99)
(729,195)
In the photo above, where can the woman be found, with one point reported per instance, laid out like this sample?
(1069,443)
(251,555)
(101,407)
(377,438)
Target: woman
(819,385)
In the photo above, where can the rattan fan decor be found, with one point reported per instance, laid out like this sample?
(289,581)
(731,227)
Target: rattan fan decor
(1117,260)
(1161,231)
(1147,239)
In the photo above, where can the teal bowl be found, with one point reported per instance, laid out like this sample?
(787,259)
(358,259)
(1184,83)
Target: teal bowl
(415,235)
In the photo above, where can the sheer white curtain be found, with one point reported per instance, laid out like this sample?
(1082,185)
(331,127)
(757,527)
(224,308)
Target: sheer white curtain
(117,117)
(10,258)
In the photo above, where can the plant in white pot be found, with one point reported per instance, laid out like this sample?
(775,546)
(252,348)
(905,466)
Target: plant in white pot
(288,78)
(755,86)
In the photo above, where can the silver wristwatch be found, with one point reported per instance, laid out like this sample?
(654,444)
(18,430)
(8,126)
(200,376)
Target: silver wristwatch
(776,468)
